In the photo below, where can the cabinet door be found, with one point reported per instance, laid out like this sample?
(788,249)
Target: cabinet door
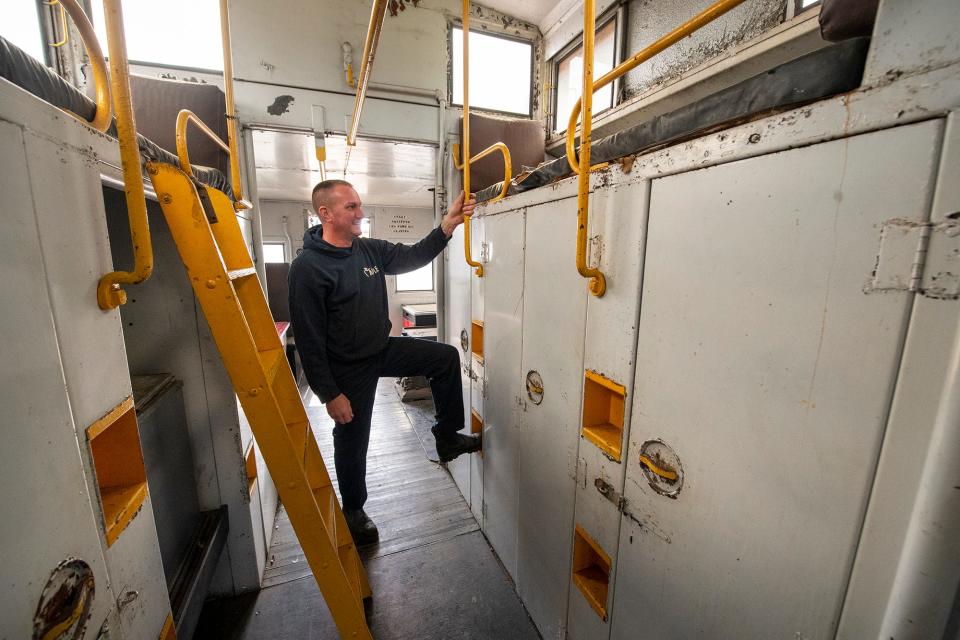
(766,369)
(502,320)
(478,287)
(457,295)
(555,299)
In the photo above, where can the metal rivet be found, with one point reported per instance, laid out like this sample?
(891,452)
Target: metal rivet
(254,391)
(211,284)
(166,198)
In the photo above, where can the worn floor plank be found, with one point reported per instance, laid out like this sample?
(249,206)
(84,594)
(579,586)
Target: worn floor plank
(433,574)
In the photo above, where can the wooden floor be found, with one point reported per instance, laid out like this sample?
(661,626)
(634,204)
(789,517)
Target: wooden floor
(433,574)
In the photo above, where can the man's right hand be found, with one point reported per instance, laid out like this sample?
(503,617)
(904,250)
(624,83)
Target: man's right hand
(340,410)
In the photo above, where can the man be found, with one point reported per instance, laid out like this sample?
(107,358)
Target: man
(338,309)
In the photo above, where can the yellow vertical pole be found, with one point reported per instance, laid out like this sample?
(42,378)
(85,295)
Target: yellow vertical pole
(231,106)
(465,143)
(598,283)
(377,12)
(109,293)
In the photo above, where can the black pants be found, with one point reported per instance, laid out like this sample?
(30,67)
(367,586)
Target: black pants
(439,362)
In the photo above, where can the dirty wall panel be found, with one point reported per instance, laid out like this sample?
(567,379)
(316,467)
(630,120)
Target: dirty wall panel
(503,315)
(458,334)
(764,377)
(554,312)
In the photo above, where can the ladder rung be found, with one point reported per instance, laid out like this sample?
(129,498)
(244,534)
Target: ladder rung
(246,336)
(327,502)
(273,360)
(236,274)
(349,560)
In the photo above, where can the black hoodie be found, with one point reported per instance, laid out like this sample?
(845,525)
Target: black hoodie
(338,300)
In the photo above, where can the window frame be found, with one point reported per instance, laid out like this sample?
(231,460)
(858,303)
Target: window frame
(603,21)
(503,36)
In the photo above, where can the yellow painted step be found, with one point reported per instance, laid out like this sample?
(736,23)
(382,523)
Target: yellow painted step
(327,502)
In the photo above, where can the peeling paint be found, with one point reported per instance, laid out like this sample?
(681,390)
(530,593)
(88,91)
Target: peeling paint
(280,106)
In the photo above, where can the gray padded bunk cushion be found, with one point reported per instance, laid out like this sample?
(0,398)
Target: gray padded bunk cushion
(32,76)
(835,69)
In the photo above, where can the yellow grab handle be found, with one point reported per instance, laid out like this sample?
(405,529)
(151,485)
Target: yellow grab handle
(109,293)
(101,82)
(659,469)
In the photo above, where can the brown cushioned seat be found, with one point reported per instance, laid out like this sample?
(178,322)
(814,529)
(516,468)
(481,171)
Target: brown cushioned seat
(523,137)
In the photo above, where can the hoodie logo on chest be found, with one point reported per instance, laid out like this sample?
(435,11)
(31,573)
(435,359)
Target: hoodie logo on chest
(371,271)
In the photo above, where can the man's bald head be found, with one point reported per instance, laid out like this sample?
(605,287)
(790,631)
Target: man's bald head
(324,194)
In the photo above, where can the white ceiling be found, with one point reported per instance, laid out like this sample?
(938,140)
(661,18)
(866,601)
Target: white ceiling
(384,173)
(532,11)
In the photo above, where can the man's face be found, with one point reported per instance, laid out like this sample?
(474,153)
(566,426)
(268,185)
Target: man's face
(344,211)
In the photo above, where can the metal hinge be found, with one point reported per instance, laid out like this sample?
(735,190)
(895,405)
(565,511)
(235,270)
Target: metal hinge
(919,257)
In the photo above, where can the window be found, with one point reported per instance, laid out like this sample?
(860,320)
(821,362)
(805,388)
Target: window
(500,72)
(274,252)
(569,74)
(419,280)
(152,29)
(21,26)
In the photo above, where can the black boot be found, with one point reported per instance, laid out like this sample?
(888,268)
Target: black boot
(451,445)
(361,527)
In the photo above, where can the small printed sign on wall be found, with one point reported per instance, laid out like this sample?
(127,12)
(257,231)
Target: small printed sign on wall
(403,224)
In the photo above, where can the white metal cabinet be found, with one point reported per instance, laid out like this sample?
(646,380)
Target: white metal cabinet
(457,291)
(477,289)
(908,453)
(618,221)
(553,322)
(503,315)
(46,514)
(766,368)
(93,355)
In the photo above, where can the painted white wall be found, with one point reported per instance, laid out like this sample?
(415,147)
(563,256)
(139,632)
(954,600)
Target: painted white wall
(272,213)
(423,222)
(305,61)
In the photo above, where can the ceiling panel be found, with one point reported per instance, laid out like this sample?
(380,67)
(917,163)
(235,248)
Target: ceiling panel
(532,11)
(384,173)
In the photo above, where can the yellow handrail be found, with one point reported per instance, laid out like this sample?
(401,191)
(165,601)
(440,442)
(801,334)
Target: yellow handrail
(109,293)
(231,107)
(507,164)
(465,155)
(101,83)
(65,38)
(581,166)
(467,251)
(186,116)
(369,53)
(598,282)
(706,16)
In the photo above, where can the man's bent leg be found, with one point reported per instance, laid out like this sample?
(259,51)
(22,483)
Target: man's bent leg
(440,363)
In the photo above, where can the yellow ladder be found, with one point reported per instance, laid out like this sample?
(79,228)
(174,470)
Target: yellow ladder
(225,282)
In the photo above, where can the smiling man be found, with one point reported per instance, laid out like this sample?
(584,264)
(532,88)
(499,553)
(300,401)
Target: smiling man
(338,309)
